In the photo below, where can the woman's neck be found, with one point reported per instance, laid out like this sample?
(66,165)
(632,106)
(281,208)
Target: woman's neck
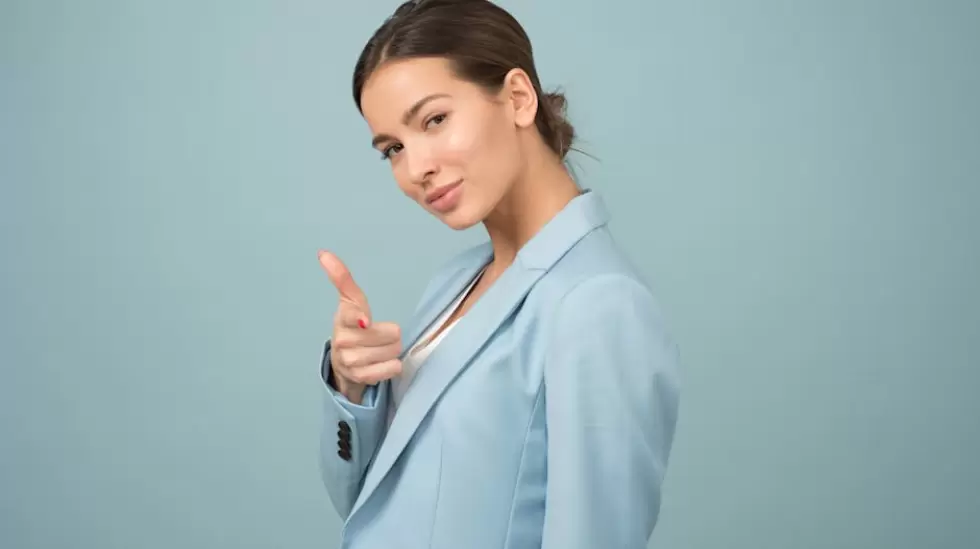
(534,199)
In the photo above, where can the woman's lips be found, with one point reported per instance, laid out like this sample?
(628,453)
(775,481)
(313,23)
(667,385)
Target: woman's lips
(445,198)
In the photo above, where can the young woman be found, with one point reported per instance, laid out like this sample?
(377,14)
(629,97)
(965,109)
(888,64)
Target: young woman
(532,399)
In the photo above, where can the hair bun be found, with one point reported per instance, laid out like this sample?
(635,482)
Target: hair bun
(556,103)
(558,131)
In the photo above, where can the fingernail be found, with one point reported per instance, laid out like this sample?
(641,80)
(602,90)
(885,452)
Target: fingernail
(361,323)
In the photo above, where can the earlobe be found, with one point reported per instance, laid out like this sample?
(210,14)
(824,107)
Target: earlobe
(522,97)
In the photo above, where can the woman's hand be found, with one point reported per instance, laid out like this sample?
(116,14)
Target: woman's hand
(362,352)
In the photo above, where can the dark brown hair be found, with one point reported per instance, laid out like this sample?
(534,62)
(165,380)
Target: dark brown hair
(481,40)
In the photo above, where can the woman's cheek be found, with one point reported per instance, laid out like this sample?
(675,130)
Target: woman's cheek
(458,143)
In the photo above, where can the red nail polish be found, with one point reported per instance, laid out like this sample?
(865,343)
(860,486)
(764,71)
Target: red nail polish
(361,323)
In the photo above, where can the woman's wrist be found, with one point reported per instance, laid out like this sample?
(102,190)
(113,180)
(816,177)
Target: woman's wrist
(353,392)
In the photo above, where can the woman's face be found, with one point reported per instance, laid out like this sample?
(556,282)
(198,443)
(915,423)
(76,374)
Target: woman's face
(452,148)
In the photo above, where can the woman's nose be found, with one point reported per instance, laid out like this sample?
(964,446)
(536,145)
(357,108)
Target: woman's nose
(421,166)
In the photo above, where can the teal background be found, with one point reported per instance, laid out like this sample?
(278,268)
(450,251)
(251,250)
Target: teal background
(798,179)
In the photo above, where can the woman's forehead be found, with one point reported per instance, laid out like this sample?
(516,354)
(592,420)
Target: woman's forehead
(396,86)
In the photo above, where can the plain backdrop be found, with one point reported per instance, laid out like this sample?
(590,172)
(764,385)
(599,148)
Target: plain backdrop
(798,180)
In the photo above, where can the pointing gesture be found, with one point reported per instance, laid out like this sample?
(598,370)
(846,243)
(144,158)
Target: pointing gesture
(351,296)
(362,352)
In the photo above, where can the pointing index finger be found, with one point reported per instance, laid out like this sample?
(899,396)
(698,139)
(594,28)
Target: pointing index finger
(344,282)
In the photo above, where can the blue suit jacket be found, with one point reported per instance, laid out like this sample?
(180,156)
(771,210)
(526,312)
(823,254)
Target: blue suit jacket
(543,420)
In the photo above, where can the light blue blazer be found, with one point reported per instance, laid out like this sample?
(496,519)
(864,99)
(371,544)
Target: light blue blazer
(544,419)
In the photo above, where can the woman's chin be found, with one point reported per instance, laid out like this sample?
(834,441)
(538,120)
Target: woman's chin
(459,223)
(458,219)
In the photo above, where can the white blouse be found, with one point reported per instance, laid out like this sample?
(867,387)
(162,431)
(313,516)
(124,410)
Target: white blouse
(423,348)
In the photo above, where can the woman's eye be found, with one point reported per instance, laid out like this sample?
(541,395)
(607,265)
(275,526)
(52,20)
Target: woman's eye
(389,151)
(435,120)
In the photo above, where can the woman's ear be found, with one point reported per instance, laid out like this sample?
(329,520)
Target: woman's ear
(519,95)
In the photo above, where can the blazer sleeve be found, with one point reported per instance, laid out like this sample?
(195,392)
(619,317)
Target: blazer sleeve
(611,400)
(350,435)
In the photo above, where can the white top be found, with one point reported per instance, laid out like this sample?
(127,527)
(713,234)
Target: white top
(421,350)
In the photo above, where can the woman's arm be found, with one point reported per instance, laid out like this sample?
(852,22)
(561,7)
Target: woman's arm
(351,433)
(611,393)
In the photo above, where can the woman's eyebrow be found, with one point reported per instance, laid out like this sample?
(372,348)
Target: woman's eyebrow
(410,113)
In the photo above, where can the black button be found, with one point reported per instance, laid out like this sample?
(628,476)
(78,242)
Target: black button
(343,435)
(343,426)
(344,455)
(344,445)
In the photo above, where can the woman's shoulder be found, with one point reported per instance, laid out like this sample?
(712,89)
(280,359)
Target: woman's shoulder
(596,262)
(596,302)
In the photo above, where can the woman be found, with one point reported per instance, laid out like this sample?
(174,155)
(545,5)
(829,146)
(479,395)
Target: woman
(532,399)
